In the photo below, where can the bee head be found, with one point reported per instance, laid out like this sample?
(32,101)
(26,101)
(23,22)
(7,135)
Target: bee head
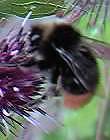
(61,34)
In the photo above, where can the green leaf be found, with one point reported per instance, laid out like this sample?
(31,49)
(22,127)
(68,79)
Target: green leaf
(22,7)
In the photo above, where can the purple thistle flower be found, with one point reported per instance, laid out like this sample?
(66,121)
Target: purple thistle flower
(19,86)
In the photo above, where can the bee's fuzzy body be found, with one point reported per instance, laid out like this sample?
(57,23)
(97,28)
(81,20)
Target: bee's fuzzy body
(59,44)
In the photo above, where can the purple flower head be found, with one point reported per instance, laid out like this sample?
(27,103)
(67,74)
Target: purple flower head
(19,87)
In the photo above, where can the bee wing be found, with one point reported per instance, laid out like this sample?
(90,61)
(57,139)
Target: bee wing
(79,64)
(99,48)
(76,66)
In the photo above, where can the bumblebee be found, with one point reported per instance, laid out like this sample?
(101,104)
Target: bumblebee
(57,47)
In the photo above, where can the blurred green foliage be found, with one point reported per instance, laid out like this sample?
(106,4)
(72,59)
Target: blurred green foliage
(22,7)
